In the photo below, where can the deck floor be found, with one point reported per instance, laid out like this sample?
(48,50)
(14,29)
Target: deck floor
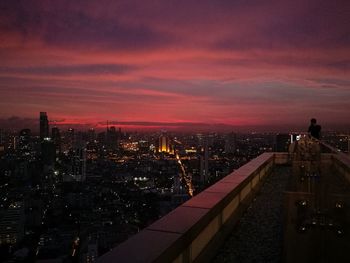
(258,237)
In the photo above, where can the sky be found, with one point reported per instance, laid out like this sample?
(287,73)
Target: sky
(257,64)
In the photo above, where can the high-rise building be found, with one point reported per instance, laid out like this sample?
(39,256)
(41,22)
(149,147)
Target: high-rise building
(2,137)
(78,163)
(12,224)
(112,137)
(44,125)
(69,140)
(56,138)
(204,163)
(24,143)
(164,144)
(48,152)
(230,143)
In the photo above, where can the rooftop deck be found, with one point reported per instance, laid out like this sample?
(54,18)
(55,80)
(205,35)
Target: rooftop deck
(213,224)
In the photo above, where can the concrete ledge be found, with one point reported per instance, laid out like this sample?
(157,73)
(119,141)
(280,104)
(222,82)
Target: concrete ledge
(191,232)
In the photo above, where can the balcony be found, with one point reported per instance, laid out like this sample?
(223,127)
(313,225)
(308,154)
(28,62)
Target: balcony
(218,224)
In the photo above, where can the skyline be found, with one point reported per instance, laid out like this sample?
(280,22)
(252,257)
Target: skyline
(263,64)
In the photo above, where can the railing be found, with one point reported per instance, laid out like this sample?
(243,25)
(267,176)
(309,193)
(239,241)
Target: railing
(195,230)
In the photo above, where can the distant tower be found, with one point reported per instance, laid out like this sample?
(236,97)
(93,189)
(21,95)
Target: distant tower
(1,136)
(70,139)
(204,164)
(78,163)
(56,138)
(24,140)
(164,144)
(112,138)
(44,125)
(230,143)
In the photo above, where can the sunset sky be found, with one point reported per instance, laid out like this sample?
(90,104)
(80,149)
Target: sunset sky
(258,64)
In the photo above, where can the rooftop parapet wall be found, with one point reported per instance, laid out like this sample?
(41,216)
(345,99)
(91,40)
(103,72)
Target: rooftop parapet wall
(193,231)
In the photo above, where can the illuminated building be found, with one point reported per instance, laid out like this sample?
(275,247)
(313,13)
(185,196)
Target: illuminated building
(25,141)
(44,125)
(164,144)
(12,224)
(78,164)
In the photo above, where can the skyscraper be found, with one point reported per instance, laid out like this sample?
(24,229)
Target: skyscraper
(204,163)
(56,138)
(164,144)
(25,141)
(44,125)
(78,163)
(12,224)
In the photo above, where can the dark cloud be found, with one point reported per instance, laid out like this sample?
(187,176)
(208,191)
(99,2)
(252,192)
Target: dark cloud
(141,25)
(66,25)
(17,123)
(90,69)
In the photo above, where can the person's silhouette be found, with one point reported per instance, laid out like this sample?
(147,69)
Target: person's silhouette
(314,129)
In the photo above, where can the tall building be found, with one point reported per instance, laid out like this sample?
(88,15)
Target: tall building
(69,140)
(164,144)
(56,138)
(12,224)
(112,137)
(204,163)
(2,139)
(44,125)
(78,163)
(48,152)
(25,142)
(230,143)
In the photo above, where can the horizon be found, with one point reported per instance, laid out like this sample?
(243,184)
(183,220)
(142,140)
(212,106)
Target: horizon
(16,124)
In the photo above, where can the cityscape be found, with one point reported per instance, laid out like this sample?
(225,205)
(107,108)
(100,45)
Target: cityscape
(75,195)
(174,131)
